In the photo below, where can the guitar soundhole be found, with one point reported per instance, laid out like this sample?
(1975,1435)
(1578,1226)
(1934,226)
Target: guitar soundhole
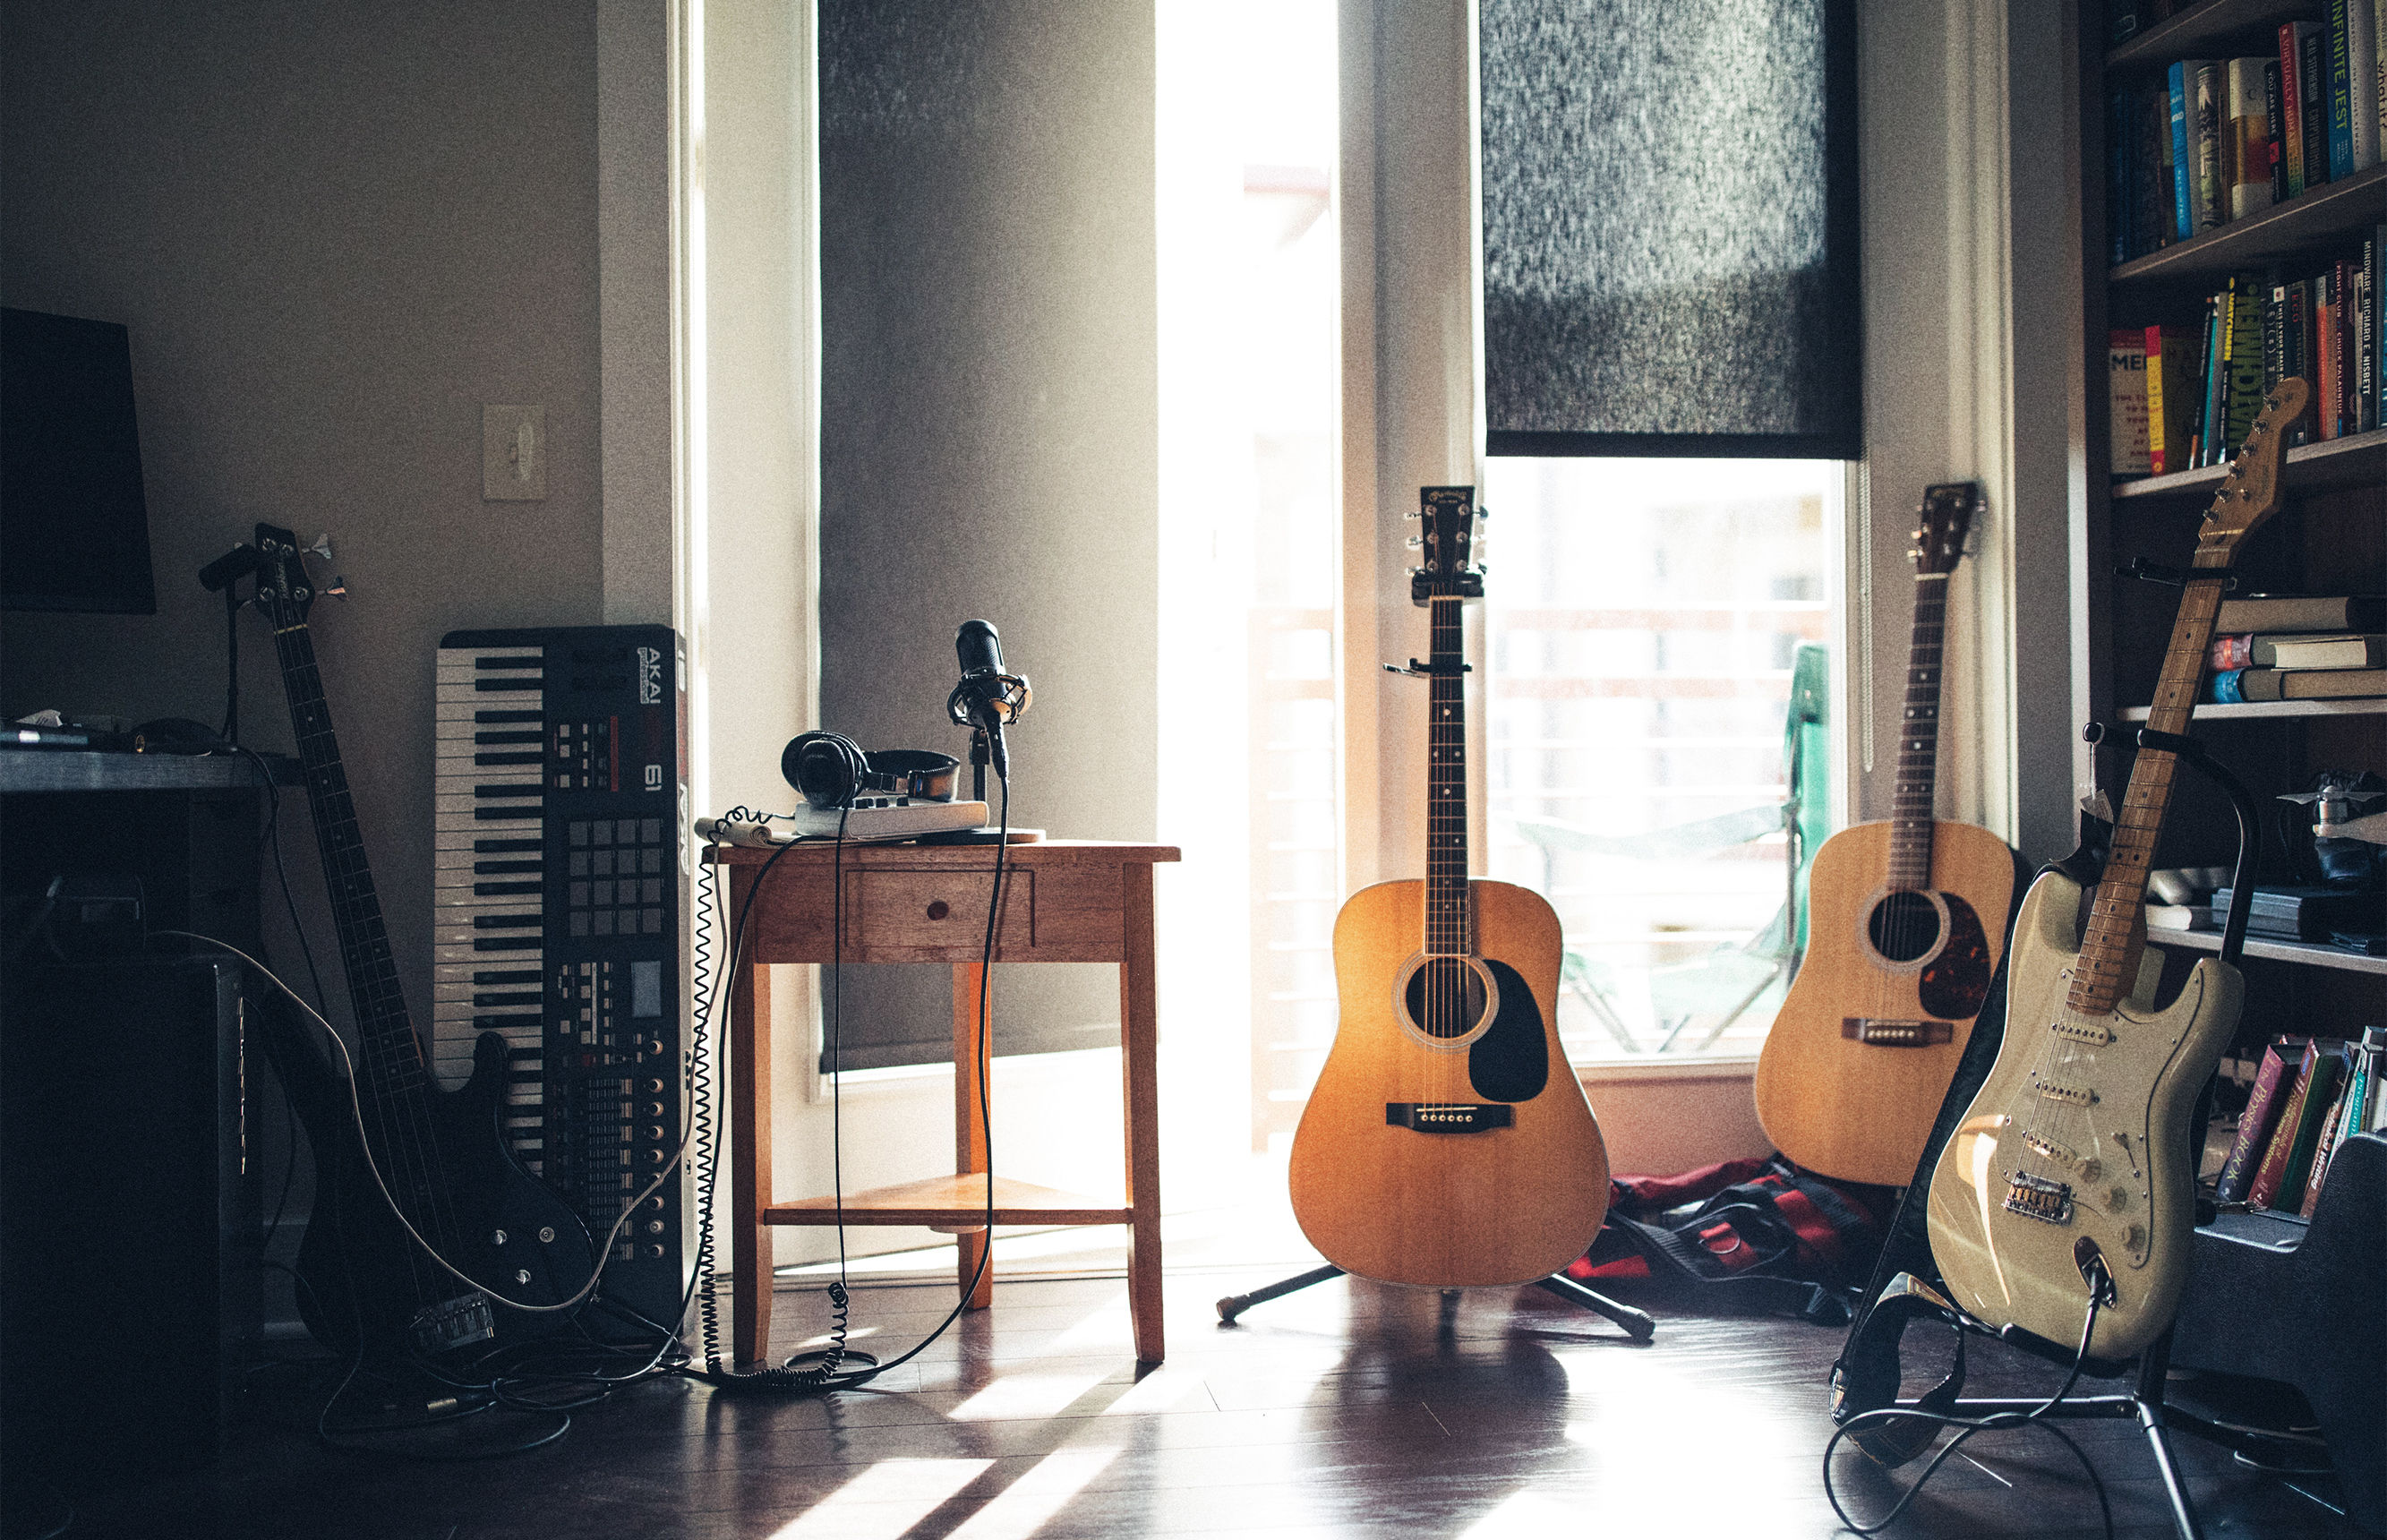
(1903,926)
(1446,998)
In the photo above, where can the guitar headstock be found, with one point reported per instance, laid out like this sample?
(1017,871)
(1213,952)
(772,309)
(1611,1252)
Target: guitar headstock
(1448,516)
(1942,525)
(284,593)
(2251,494)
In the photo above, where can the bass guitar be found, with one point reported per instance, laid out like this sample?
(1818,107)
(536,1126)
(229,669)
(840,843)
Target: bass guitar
(2071,1176)
(1906,920)
(1447,1142)
(369,1285)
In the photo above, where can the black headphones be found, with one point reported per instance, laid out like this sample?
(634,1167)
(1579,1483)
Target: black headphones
(831,771)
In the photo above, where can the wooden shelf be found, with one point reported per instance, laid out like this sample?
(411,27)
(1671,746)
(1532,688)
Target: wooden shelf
(2247,711)
(954,1201)
(2336,209)
(2356,459)
(2319,955)
(2190,33)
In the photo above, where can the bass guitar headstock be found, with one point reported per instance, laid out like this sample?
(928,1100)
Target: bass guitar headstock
(2251,493)
(285,594)
(1448,514)
(1942,525)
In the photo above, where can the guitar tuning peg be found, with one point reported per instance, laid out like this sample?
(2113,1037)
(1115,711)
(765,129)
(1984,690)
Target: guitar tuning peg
(1413,542)
(339,588)
(323,547)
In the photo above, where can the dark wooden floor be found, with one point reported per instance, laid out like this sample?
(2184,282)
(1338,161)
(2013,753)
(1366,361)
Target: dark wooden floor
(1342,1413)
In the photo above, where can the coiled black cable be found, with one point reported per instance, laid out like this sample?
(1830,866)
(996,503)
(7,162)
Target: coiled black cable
(1995,1421)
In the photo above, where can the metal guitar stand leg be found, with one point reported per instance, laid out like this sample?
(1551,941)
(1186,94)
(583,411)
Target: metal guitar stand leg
(1635,1323)
(2144,1403)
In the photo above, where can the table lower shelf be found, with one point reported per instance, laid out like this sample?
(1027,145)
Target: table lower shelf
(959,1200)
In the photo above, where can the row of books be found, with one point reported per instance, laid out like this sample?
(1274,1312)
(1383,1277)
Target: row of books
(2310,1095)
(2184,394)
(2292,647)
(2216,140)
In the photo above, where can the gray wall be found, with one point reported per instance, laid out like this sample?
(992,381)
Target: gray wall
(335,229)
(990,425)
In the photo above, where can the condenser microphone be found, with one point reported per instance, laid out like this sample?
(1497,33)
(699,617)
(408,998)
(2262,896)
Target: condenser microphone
(987,697)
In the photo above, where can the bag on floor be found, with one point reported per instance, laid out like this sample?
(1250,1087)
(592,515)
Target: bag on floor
(1758,1231)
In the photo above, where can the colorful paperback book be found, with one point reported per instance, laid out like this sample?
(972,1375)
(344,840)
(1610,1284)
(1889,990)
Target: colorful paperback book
(2362,82)
(2212,107)
(2291,105)
(2182,79)
(2325,351)
(2263,1107)
(2244,360)
(2349,1117)
(2171,398)
(2246,139)
(2126,373)
(2322,1147)
(2328,1068)
(2313,66)
(2271,1189)
(2341,93)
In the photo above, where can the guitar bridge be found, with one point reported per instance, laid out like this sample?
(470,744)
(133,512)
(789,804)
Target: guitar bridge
(452,1323)
(2038,1198)
(1896,1034)
(1449,1116)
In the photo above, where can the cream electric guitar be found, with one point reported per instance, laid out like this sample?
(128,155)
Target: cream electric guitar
(1906,921)
(2070,1173)
(1447,1142)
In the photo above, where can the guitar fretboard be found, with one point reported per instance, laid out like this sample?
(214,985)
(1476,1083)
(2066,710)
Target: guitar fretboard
(2114,938)
(1918,743)
(389,1056)
(1448,928)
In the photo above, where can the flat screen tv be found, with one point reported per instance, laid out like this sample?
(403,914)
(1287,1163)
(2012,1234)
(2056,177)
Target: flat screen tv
(74,526)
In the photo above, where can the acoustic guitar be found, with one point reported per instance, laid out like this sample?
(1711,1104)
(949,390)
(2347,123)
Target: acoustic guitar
(1447,1142)
(439,1156)
(2072,1173)
(1906,920)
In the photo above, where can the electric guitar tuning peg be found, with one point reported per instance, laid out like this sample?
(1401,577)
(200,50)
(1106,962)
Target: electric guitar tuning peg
(323,547)
(1414,542)
(339,588)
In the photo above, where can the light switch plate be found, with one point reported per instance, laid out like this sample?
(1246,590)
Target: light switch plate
(514,454)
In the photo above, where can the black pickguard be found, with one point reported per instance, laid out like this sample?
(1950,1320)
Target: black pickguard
(361,1274)
(1957,980)
(1511,1061)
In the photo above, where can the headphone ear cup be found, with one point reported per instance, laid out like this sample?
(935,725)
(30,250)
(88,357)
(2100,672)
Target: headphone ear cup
(827,768)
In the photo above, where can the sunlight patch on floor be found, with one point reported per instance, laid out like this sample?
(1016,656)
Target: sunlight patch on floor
(1021,1508)
(1016,1395)
(885,1500)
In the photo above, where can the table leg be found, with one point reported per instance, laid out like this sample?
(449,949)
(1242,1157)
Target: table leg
(749,1158)
(969,1121)
(1139,1060)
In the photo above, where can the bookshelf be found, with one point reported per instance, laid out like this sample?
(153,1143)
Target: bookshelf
(2330,537)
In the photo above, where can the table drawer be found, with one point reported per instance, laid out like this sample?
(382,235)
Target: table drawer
(892,914)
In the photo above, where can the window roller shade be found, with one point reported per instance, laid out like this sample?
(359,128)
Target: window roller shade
(1670,231)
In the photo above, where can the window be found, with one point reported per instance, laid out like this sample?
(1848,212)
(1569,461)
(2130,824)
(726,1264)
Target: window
(1645,621)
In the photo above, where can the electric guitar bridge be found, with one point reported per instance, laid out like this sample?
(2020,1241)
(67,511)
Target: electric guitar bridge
(453,1323)
(2038,1198)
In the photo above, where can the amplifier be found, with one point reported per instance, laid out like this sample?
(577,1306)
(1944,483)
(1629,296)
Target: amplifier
(560,811)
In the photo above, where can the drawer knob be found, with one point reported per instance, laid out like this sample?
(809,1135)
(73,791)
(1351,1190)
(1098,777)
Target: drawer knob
(937,909)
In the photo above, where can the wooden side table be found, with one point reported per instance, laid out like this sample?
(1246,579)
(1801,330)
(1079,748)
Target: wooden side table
(1064,901)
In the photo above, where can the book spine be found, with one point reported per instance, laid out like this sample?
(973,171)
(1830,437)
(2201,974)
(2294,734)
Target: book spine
(2245,140)
(2317,1103)
(2275,130)
(2300,354)
(2182,82)
(2349,309)
(2366,340)
(2283,1136)
(2212,107)
(2341,95)
(2275,334)
(2314,67)
(2291,112)
(2159,455)
(2126,400)
(2253,1127)
(2362,82)
(2325,352)
(2208,370)
(2120,202)
(2323,1147)
(2245,382)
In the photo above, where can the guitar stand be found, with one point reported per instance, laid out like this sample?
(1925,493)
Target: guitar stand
(1895,1441)
(1637,1323)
